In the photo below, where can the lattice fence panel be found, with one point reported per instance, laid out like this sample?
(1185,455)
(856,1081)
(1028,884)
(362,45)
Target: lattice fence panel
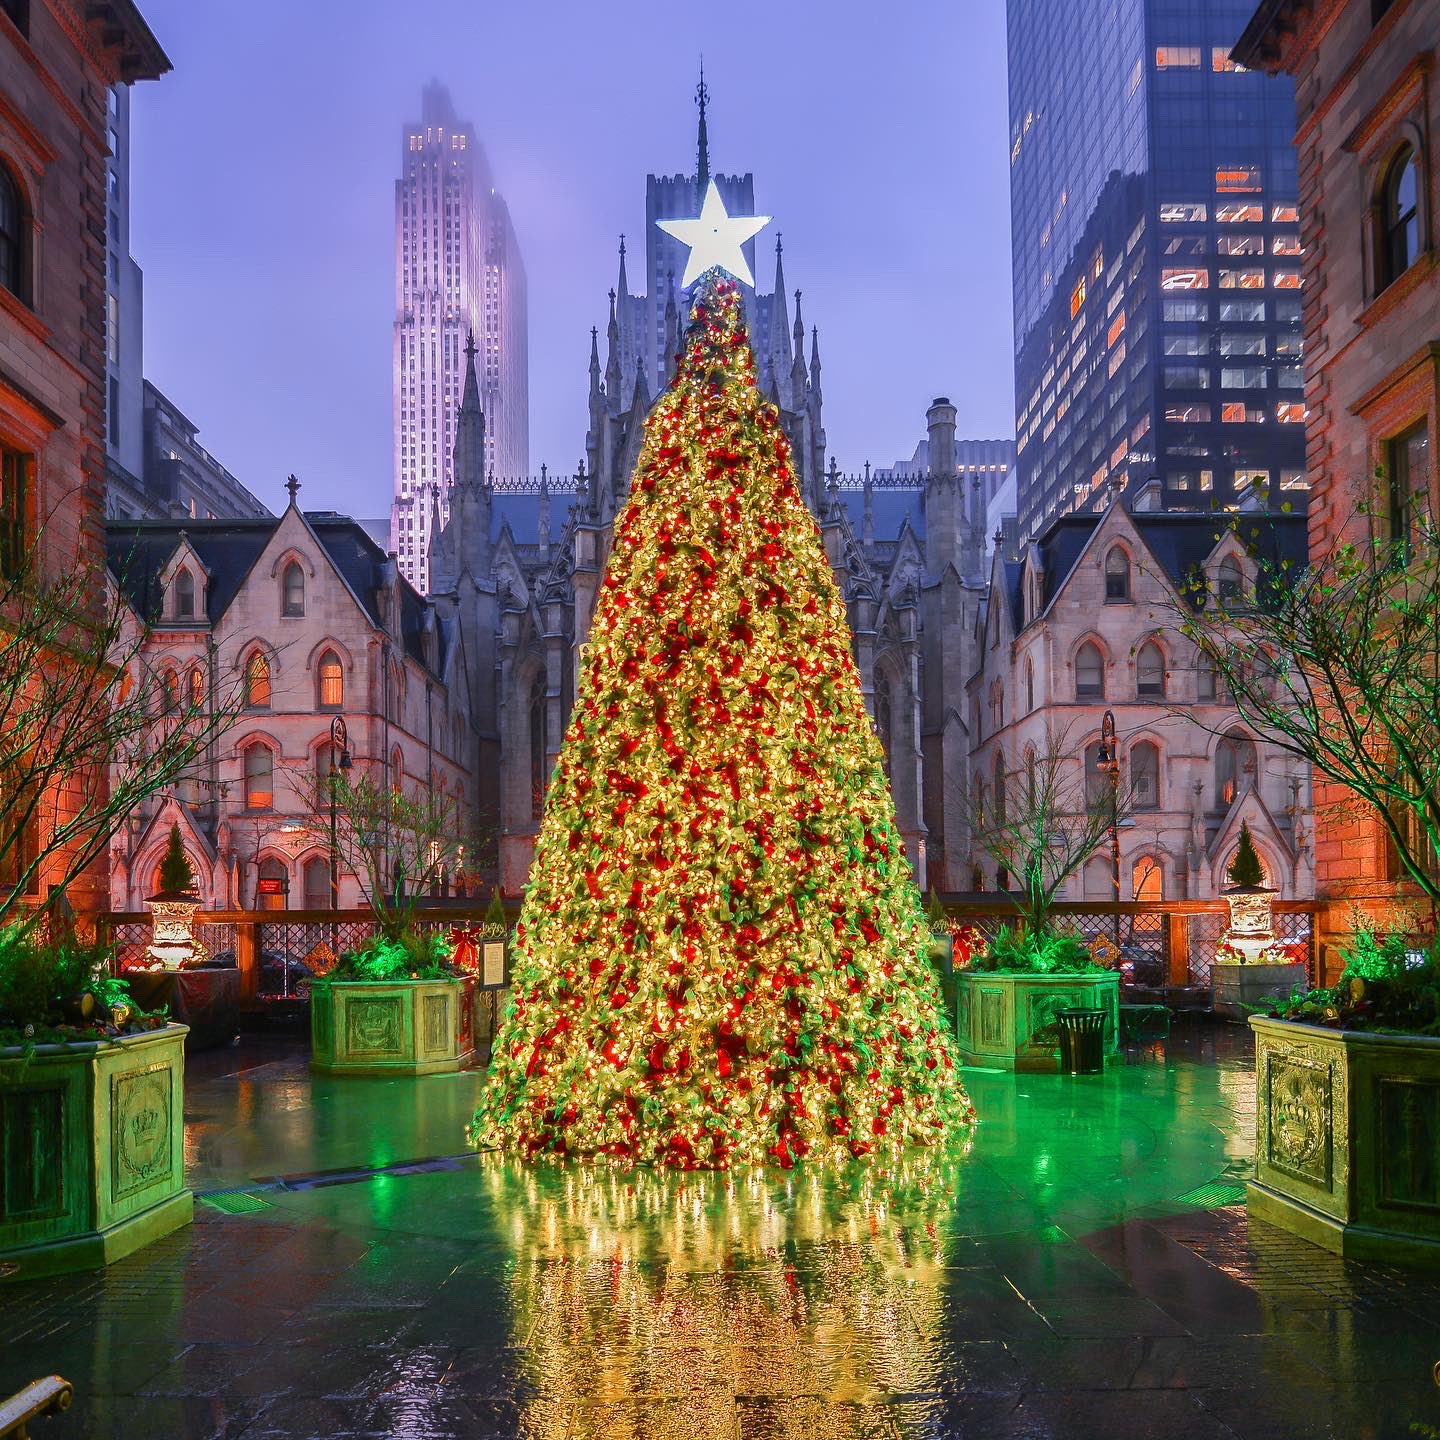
(1144,941)
(218,938)
(292,954)
(1206,931)
(130,939)
(1293,931)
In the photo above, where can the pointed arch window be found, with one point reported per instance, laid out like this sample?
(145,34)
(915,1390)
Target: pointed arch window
(1145,776)
(197,687)
(274,895)
(316,879)
(1098,879)
(537,747)
(883,718)
(184,594)
(1150,671)
(330,681)
(259,765)
(257,681)
(397,770)
(1234,760)
(1097,781)
(1117,576)
(1029,685)
(1147,878)
(170,692)
(1089,672)
(1000,798)
(292,591)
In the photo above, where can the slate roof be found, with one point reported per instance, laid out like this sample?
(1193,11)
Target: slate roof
(137,551)
(1179,542)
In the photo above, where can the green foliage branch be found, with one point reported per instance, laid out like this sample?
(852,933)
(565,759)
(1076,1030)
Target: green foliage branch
(81,745)
(1046,821)
(1337,662)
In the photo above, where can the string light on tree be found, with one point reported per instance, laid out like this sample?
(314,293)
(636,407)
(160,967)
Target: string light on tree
(721,957)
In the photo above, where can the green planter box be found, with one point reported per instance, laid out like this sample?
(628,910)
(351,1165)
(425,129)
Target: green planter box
(399,1027)
(1347,1139)
(91,1152)
(998,1017)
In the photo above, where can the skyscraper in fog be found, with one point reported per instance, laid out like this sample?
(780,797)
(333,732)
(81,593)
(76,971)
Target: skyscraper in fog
(458,272)
(1156,261)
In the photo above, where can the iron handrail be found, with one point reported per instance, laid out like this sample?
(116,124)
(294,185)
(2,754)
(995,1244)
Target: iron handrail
(37,1400)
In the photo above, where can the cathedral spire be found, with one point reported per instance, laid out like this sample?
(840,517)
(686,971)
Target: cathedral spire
(777,358)
(468,467)
(594,362)
(815,356)
(797,365)
(624,283)
(612,359)
(702,143)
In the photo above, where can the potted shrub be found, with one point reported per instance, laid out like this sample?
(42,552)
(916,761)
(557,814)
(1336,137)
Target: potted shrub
(396,1004)
(1009,995)
(91,1111)
(1347,1128)
(91,1097)
(1038,825)
(172,911)
(1250,965)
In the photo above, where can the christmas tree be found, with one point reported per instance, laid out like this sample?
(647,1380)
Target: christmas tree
(177,876)
(721,954)
(1245,870)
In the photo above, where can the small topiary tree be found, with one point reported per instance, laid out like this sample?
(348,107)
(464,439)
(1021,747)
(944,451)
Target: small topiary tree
(1245,870)
(495,912)
(177,875)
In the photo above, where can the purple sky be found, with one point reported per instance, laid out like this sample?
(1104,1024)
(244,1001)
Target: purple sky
(263,172)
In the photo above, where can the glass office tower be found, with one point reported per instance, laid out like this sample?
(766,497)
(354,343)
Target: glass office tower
(1156,259)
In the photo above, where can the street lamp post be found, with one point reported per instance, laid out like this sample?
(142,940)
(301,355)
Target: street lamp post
(1109,765)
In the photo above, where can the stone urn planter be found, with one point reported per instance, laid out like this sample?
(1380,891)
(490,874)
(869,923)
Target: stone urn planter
(392,1027)
(1347,1139)
(174,946)
(1249,965)
(1008,1020)
(92,1150)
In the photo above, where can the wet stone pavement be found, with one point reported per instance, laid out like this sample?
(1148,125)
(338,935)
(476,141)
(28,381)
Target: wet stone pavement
(1079,1268)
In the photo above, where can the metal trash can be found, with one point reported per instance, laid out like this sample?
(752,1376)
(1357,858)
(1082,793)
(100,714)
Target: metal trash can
(1082,1041)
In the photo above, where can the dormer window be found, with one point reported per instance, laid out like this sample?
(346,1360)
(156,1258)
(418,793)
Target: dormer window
(184,595)
(1231,588)
(292,591)
(1117,576)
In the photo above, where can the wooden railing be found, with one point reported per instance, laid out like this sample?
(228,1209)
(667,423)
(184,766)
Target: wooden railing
(1164,943)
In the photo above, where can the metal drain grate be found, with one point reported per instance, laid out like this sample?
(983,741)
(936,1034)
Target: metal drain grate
(234,1202)
(1212,1196)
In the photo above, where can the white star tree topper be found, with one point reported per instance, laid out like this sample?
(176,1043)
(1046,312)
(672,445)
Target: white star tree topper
(715,239)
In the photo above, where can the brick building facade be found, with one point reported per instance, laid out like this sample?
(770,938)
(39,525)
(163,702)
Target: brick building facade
(314,620)
(1084,622)
(58,59)
(1368,121)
